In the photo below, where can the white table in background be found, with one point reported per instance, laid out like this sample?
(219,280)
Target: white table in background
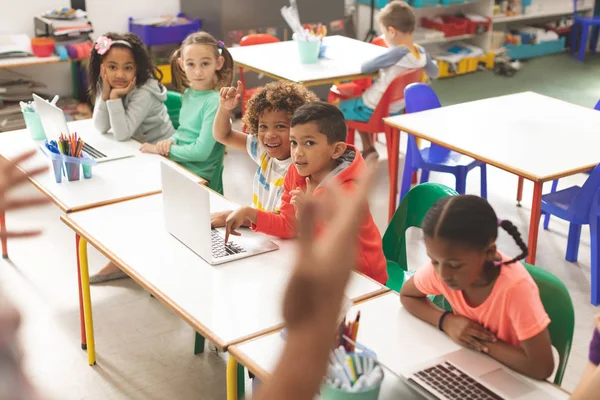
(535,137)
(280,61)
(399,339)
(227,304)
(111,182)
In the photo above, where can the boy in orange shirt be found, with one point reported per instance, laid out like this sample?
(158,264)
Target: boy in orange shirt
(320,154)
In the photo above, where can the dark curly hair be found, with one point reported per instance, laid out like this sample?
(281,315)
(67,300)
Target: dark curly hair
(144,68)
(275,96)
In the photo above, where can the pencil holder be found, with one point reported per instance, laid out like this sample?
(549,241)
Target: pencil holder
(34,125)
(72,169)
(308,50)
(329,392)
(70,166)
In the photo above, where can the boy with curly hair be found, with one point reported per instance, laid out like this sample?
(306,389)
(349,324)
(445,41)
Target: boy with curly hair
(267,119)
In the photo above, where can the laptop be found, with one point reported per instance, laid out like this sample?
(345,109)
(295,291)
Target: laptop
(54,122)
(466,375)
(186,206)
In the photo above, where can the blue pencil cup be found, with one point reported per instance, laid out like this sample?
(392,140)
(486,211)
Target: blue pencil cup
(70,166)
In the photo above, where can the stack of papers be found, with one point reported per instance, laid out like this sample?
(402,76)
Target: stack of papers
(15,46)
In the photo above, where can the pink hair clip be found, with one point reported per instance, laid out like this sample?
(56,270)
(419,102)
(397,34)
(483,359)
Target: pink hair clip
(103,45)
(220,44)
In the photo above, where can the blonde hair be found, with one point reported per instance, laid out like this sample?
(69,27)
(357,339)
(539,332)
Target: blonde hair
(224,75)
(398,15)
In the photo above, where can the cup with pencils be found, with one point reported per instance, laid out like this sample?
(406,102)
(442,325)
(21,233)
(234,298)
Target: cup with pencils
(68,157)
(32,121)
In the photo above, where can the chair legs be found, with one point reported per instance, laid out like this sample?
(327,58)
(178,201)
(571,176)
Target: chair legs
(594,39)
(461,182)
(547,215)
(483,181)
(406,174)
(595,258)
(585,30)
(573,242)
(424,175)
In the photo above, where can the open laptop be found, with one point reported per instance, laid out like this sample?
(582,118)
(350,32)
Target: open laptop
(465,375)
(54,122)
(186,205)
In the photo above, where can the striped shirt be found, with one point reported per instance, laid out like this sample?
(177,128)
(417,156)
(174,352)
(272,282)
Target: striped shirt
(268,180)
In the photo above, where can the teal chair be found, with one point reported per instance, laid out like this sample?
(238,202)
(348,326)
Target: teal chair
(173,104)
(410,213)
(559,307)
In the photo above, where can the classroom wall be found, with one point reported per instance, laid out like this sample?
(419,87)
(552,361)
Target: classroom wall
(106,15)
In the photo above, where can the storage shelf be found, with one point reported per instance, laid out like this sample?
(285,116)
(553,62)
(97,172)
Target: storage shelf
(543,14)
(445,39)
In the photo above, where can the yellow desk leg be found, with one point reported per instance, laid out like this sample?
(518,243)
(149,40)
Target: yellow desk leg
(232,366)
(87,302)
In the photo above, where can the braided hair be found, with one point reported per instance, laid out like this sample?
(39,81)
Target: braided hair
(471,220)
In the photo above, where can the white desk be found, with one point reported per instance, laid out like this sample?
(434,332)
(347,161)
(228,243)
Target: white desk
(111,181)
(399,339)
(532,136)
(280,61)
(227,304)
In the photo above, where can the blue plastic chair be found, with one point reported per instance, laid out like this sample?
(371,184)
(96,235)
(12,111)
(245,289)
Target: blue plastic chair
(585,23)
(421,97)
(555,182)
(595,247)
(573,204)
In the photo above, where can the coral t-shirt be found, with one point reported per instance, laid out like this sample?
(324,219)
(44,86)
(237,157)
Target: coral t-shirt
(513,311)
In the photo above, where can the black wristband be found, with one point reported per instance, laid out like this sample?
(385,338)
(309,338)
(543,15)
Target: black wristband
(442,317)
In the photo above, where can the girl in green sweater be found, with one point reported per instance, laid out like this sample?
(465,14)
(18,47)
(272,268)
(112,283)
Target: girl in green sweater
(201,67)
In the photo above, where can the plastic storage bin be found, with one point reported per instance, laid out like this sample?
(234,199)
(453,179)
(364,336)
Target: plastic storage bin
(453,2)
(69,166)
(157,35)
(466,65)
(477,28)
(166,72)
(424,3)
(378,3)
(451,26)
(524,51)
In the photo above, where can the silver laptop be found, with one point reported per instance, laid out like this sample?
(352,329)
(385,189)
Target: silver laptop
(466,375)
(54,122)
(187,212)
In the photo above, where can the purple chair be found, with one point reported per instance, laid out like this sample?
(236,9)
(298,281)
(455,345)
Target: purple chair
(585,23)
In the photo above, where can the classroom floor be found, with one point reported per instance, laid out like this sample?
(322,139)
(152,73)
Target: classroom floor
(145,351)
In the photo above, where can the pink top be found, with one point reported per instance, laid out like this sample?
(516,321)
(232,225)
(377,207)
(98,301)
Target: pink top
(513,311)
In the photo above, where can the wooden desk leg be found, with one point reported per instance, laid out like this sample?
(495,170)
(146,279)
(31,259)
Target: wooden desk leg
(3,230)
(81,316)
(520,191)
(392,137)
(235,379)
(87,301)
(534,223)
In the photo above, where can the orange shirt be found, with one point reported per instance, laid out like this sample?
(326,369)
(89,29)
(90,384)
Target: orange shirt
(513,311)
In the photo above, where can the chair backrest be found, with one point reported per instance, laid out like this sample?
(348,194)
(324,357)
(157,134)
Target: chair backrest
(597,107)
(393,93)
(258,38)
(173,104)
(379,41)
(559,307)
(410,213)
(422,97)
(580,207)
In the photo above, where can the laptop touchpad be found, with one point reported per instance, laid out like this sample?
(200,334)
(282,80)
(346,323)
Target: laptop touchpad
(512,386)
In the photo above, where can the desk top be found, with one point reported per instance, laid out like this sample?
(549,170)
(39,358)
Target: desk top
(399,339)
(344,57)
(228,303)
(537,137)
(111,181)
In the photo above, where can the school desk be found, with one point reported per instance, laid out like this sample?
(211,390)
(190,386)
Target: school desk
(280,61)
(226,304)
(399,339)
(111,181)
(535,137)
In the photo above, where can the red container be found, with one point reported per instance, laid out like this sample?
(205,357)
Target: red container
(451,26)
(477,28)
(42,46)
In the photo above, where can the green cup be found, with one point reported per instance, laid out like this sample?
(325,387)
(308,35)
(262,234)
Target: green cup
(329,392)
(87,171)
(34,125)
(308,50)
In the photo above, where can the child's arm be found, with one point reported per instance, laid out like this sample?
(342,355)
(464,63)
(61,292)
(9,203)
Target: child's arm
(100,116)
(431,68)
(589,385)
(124,122)
(199,150)
(389,58)
(229,99)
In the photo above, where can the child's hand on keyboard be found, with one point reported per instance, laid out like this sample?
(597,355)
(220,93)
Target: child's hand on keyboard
(243,216)
(467,332)
(219,219)
(230,97)
(149,148)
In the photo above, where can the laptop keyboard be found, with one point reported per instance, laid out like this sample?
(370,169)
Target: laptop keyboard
(454,383)
(95,154)
(220,249)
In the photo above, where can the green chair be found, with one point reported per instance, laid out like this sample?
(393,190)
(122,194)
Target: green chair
(559,307)
(173,104)
(410,213)
(216,180)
